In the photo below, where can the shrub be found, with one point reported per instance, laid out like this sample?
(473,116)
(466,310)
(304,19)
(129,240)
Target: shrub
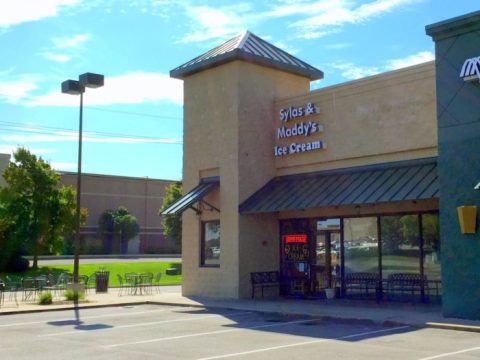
(94,249)
(67,247)
(17,264)
(70,295)
(45,298)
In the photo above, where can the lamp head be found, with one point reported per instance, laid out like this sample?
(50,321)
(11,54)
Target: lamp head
(72,87)
(91,80)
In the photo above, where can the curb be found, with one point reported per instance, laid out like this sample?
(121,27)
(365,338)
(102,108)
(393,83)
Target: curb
(455,327)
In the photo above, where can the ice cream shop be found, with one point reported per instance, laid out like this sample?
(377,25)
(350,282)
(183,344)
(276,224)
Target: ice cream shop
(361,190)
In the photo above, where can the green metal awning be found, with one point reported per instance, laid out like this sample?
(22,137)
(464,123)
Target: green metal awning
(389,182)
(195,195)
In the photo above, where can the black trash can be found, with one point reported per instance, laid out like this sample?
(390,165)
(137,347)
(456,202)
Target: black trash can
(101,281)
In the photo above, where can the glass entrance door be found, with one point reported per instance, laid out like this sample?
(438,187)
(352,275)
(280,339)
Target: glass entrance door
(326,264)
(296,256)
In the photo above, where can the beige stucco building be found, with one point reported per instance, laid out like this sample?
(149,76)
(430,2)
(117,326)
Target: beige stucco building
(268,164)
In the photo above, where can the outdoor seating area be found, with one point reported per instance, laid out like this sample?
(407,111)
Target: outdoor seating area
(28,288)
(139,284)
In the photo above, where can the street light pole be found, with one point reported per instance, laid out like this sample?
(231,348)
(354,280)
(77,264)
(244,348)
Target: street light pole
(75,87)
(76,251)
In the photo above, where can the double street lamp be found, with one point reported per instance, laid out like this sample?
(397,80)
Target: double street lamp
(77,87)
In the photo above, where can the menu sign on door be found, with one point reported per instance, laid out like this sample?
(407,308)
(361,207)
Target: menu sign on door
(295,247)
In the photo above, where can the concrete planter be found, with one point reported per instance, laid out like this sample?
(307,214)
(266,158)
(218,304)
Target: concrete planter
(330,293)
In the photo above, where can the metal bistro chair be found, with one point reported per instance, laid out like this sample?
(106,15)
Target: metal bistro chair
(12,286)
(146,283)
(52,285)
(123,285)
(83,279)
(91,283)
(41,282)
(61,285)
(156,282)
(29,288)
(132,281)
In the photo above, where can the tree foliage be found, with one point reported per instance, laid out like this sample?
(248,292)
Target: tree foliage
(117,227)
(172,224)
(36,212)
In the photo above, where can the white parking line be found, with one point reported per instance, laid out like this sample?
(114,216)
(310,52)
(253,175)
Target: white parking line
(303,343)
(79,331)
(451,353)
(93,317)
(207,333)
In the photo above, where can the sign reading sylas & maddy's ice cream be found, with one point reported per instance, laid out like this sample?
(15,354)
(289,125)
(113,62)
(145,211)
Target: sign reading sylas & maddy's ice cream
(302,128)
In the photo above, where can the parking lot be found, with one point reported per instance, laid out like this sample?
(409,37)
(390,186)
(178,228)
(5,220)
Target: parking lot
(167,332)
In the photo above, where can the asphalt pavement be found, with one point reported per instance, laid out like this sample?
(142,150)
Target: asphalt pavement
(205,333)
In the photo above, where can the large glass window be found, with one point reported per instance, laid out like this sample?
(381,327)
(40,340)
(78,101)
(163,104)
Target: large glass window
(431,246)
(360,244)
(210,249)
(400,244)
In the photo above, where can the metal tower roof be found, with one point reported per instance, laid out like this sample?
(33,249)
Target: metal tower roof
(247,47)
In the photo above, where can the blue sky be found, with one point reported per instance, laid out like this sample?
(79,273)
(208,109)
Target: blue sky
(133,125)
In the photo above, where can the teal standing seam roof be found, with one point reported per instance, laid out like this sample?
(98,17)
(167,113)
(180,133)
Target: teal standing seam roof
(382,183)
(193,196)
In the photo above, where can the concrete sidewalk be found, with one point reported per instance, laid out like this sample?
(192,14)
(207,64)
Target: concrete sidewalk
(417,315)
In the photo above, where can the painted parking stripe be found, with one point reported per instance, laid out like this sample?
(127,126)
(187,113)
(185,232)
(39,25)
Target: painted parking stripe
(450,354)
(140,342)
(79,331)
(95,317)
(368,333)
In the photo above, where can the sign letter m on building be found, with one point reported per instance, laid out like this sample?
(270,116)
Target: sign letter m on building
(471,69)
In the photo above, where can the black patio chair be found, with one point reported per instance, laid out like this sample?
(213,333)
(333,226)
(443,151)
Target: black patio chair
(29,288)
(123,285)
(156,282)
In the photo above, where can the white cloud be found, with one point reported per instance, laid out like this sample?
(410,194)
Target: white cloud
(218,22)
(63,166)
(352,72)
(68,47)
(14,90)
(418,58)
(338,46)
(305,7)
(20,11)
(7,149)
(70,42)
(319,18)
(11,148)
(60,58)
(312,19)
(133,88)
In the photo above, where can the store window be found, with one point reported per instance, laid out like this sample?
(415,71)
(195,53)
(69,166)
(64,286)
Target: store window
(210,247)
(400,244)
(431,246)
(360,244)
